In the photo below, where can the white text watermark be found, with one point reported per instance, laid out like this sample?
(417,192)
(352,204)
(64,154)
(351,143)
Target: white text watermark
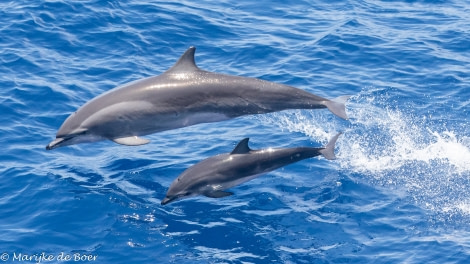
(44,257)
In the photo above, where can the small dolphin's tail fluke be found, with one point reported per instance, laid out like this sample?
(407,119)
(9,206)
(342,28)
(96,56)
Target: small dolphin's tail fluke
(329,151)
(337,107)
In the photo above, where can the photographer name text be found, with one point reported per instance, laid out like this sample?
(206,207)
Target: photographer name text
(44,257)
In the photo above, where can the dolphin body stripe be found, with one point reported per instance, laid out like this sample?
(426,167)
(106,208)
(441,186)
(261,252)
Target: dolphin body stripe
(184,95)
(212,176)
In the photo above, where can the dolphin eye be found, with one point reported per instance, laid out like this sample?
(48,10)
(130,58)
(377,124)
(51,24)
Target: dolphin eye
(184,194)
(84,132)
(71,136)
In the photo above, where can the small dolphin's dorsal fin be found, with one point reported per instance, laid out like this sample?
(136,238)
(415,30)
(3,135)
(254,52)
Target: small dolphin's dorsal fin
(242,147)
(186,62)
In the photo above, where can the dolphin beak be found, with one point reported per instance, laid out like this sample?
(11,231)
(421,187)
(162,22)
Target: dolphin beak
(167,200)
(55,143)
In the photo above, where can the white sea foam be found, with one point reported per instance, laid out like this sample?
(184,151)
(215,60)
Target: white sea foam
(396,140)
(393,146)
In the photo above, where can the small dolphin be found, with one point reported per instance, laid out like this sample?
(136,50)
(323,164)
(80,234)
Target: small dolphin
(182,96)
(212,176)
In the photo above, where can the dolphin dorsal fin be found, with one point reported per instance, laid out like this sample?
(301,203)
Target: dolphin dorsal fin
(242,147)
(186,62)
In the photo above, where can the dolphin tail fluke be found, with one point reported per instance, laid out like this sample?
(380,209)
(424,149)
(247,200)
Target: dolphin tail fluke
(337,107)
(329,151)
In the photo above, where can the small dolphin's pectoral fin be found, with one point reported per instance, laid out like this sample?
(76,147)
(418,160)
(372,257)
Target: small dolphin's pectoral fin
(217,194)
(131,141)
(242,147)
(329,151)
(337,107)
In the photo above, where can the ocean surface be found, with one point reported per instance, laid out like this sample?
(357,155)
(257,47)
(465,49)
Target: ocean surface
(398,192)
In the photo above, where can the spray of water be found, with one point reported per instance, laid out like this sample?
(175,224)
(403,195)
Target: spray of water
(394,146)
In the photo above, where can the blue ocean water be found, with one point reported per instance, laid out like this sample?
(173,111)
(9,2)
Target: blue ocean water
(398,192)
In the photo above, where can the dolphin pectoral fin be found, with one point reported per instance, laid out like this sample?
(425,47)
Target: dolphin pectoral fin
(329,151)
(217,194)
(131,141)
(337,107)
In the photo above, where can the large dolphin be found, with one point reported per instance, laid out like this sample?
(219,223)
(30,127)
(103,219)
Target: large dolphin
(212,176)
(182,96)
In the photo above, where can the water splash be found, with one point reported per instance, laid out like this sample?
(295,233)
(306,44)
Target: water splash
(400,146)
(393,139)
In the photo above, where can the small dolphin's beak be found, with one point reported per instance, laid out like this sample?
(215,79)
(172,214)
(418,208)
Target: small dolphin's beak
(55,143)
(167,200)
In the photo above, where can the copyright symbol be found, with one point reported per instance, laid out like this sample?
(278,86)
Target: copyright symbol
(4,257)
